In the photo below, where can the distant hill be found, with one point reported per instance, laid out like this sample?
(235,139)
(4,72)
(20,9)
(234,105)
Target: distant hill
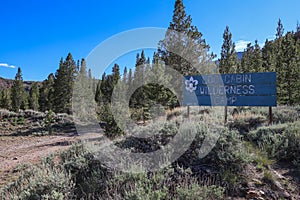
(7,83)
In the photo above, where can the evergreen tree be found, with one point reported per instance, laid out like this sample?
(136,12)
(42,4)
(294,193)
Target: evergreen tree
(268,57)
(257,58)
(46,97)
(297,73)
(98,94)
(297,34)
(104,98)
(106,88)
(83,96)
(83,70)
(125,78)
(229,61)
(252,59)
(116,75)
(183,48)
(289,72)
(246,61)
(138,98)
(159,93)
(130,78)
(63,85)
(6,99)
(18,92)
(193,49)
(280,29)
(34,97)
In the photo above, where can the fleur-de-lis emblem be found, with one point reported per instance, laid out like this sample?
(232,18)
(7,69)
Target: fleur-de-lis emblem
(191,84)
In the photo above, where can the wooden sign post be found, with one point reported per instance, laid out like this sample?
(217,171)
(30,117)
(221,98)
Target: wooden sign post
(270,115)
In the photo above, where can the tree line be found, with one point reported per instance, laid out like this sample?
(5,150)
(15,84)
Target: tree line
(281,55)
(54,93)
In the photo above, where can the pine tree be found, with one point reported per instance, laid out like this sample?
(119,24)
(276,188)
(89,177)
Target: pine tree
(159,93)
(289,72)
(46,97)
(63,85)
(297,73)
(83,96)
(280,29)
(280,64)
(130,78)
(108,84)
(137,99)
(257,58)
(229,61)
(268,57)
(34,97)
(246,61)
(116,75)
(297,34)
(18,92)
(98,94)
(185,39)
(183,49)
(125,75)
(6,99)
(252,59)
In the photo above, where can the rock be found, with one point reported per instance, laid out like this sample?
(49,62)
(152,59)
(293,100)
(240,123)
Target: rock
(257,182)
(277,185)
(279,176)
(15,158)
(252,194)
(284,194)
(262,193)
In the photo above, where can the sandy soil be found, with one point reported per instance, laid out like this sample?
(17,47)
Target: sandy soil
(16,150)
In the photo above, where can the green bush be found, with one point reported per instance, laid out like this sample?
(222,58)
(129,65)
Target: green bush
(281,142)
(111,128)
(229,151)
(88,173)
(163,184)
(281,114)
(46,181)
(201,193)
(247,123)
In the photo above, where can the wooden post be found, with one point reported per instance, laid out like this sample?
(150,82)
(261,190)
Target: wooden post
(270,115)
(143,115)
(188,112)
(225,113)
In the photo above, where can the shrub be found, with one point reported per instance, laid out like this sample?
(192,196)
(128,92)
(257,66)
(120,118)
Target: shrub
(281,114)
(88,174)
(247,122)
(163,184)
(111,128)
(201,193)
(281,142)
(46,181)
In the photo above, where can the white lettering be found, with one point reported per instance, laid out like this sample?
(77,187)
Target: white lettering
(251,89)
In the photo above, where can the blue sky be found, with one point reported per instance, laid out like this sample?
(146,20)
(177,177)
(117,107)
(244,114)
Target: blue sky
(34,35)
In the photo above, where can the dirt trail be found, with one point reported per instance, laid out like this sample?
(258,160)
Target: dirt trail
(16,150)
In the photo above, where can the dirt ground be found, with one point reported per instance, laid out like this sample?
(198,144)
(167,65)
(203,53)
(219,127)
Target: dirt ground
(17,150)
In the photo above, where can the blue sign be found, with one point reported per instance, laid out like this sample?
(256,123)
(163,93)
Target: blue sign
(249,89)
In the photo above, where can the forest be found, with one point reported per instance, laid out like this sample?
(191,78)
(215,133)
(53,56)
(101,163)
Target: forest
(244,162)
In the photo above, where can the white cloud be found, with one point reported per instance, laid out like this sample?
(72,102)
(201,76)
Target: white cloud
(241,45)
(7,65)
